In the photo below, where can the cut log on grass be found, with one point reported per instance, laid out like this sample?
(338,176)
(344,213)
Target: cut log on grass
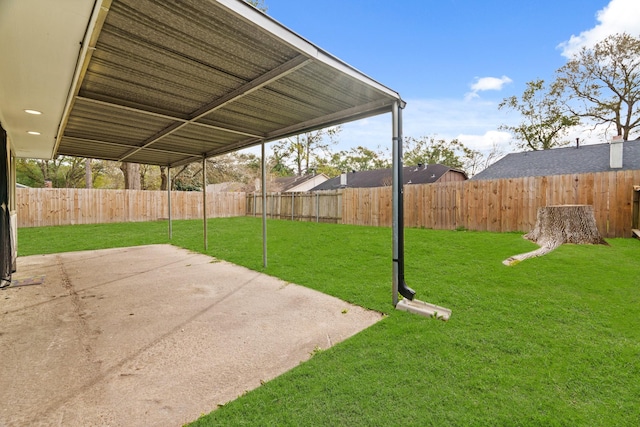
(556,225)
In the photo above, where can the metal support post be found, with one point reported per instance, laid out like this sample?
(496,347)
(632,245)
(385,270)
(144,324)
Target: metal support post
(169,201)
(204,202)
(264,206)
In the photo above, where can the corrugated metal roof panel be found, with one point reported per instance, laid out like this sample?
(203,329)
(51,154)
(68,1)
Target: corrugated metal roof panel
(168,82)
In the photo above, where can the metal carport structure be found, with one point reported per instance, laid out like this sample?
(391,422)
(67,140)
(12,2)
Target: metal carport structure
(169,83)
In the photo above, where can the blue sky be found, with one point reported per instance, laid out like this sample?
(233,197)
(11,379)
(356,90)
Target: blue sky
(453,61)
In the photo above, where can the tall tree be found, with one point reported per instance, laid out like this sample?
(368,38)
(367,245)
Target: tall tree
(277,164)
(544,123)
(88,178)
(307,149)
(163,178)
(603,83)
(131,172)
(429,150)
(359,159)
(63,172)
(258,4)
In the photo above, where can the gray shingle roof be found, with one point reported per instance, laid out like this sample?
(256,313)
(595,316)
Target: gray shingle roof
(382,177)
(285,183)
(561,161)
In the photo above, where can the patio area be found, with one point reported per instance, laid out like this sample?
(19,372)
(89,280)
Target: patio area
(151,335)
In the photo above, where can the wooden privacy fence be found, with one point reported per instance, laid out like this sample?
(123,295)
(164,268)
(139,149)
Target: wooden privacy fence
(65,206)
(323,206)
(499,205)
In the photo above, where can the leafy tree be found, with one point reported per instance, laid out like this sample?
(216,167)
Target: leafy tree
(258,4)
(358,159)
(277,166)
(306,149)
(429,150)
(544,119)
(63,171)
(603,83)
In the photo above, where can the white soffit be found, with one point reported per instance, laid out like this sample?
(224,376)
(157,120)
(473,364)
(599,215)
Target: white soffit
(38,54)
(169,83)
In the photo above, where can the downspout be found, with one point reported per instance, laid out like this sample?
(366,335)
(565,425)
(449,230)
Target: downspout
(399,284)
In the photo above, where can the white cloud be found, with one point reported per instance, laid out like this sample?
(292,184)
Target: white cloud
(490,83)
(476,123)
(486,83)
(617,17)
(485,142)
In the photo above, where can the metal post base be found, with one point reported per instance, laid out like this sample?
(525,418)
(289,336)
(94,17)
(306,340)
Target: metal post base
(423,309)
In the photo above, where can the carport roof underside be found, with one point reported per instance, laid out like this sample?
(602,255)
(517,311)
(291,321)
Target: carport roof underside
(170,83)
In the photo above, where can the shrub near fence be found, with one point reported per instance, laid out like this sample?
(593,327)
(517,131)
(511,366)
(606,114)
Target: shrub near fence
(65,206)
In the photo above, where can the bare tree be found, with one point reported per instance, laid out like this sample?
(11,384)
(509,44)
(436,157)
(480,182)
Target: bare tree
(603,83)
(475,161)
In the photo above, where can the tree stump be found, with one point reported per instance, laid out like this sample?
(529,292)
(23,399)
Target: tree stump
(556,225)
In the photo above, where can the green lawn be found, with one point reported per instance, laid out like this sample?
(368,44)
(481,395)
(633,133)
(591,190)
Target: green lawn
(551,341)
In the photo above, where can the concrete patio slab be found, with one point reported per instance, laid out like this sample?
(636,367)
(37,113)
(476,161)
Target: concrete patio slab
(152,335)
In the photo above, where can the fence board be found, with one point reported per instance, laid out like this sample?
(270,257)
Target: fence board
(38,207)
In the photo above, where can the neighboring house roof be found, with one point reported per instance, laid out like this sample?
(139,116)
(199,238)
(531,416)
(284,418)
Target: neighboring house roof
(296,183)
(561,161)
(18,185)
(421,174)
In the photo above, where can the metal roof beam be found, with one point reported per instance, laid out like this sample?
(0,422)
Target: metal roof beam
(265,79)
(355,113)
(121,145)
(165,116)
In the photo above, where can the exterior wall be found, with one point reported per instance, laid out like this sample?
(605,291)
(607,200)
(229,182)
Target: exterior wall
(452,176)
(308,184)
(8,235)
(12,207)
